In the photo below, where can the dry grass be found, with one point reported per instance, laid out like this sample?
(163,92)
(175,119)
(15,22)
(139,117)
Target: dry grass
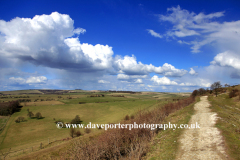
(165,144)
(124,143)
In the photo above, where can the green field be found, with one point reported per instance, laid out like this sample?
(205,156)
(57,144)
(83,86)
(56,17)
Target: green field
(34,131)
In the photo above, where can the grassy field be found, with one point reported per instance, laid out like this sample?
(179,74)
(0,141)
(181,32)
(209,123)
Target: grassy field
(3,120)
(21,92)
(34,131)
(228,110)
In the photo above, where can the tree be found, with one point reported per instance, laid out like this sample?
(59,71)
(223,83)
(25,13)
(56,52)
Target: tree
(76,120)
(226,85)
(201,91)
(21,119)
(194,93)
(127,117)
(30,114)
(17,121)
(38,115)
(72,132)
(215,87)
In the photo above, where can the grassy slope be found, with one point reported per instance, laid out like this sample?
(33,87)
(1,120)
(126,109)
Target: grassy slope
(229,122)
(165,144)
(33,131)
(24,133)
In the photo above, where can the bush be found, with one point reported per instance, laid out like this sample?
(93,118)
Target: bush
(233,93)
(30,114)
(8,108)
(194,93)
(72,132)
(126,117)
(76,120)
(87,130)
(78,133)
(38,115)
(21,119)
(122,142)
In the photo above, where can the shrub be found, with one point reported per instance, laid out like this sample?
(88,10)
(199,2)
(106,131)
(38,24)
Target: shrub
(132,117)
(233,93)
(8,108)
(87,130)
(215,87)
(72,132)
(126,117)
(30,114)
(21,119)
(38,115)
(122,142)
(78,133)
(194,93)
(76,120)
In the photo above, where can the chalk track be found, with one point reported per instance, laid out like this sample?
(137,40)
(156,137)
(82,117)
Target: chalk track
(205,143)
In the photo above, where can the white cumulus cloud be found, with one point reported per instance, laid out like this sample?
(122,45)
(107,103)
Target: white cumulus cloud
(163,81)
(227,58)
(130,66)
(103,81)
(139,81)
(192,72)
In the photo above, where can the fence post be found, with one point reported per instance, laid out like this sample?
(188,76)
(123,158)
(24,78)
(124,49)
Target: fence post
(40,145)
(32,149)
(48,140)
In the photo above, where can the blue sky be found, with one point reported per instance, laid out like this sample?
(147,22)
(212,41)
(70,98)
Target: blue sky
(173,46)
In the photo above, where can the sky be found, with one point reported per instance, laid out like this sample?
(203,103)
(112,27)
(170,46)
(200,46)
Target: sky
(173,46)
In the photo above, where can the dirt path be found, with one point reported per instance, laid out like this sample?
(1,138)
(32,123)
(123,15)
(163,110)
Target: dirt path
(205,143)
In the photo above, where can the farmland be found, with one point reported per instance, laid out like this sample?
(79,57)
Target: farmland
(95,106)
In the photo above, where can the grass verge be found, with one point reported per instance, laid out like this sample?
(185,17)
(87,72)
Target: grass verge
(228,111)
(165,144)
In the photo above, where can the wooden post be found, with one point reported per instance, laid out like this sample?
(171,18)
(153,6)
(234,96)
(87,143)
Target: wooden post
(32,149)
(40,145)
(48,140)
